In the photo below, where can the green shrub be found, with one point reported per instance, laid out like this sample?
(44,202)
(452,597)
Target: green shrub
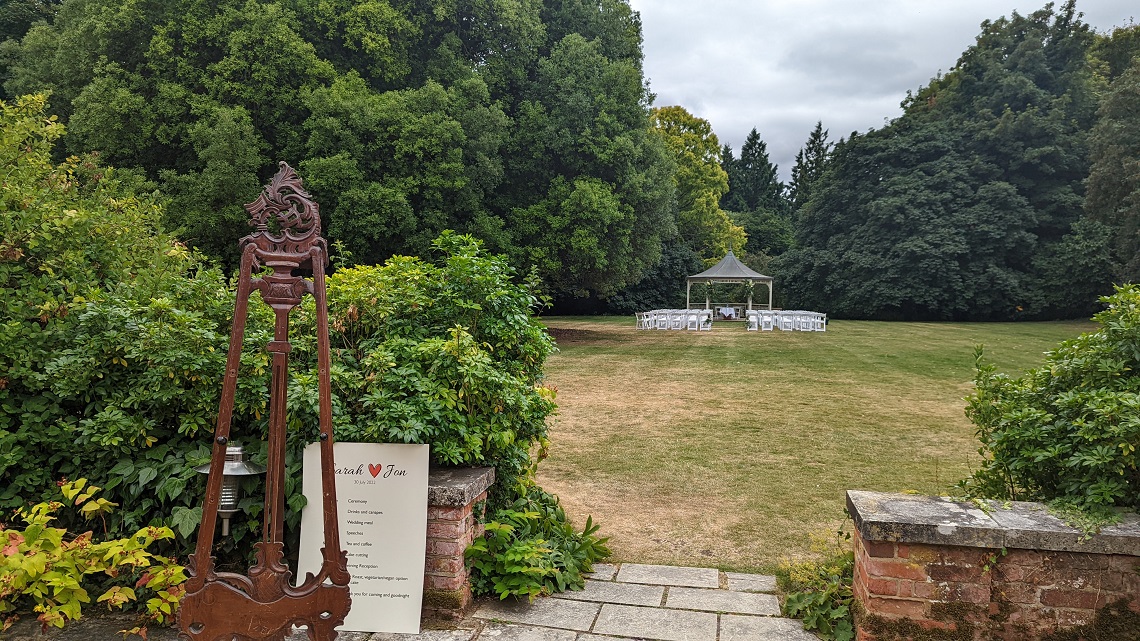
(530,549)
(49,566)
(113,339)
(819,591)
(1066,432)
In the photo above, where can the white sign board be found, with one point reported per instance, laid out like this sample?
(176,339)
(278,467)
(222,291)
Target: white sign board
(381,492)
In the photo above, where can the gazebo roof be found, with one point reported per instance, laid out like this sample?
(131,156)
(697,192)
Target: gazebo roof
(729,269)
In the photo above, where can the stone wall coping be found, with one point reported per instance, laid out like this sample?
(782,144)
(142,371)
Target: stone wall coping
(935,520)
(458,486)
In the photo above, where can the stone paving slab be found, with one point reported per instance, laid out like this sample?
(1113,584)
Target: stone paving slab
(723,601)
(299,634)
(622,593)
(656,623)
(669,575)
(602,572)
(750,582)
(505,632)
(745,628)
(426,635)
(552,613)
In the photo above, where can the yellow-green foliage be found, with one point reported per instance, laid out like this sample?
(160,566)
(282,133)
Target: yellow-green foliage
(819,590)
(49,566)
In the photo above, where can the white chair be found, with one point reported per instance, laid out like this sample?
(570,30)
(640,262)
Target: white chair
(645,320)
(677,319)
(706,320)
(787,321)
(767,321)
(692,320)
(753,320)
(821,322)
(661,319)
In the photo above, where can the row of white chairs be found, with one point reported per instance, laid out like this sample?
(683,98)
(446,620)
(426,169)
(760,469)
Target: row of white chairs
(694,319)
(793,320)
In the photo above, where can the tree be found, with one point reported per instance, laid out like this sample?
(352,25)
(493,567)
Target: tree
(525,123)
(700,182)
(811,160)
(759,185)
(756,198)
(968,206)
(1114,180)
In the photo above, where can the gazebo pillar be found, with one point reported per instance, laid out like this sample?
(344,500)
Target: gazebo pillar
(769,295)
(688,290)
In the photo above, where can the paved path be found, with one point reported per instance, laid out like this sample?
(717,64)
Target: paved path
(647,602)
(627,601)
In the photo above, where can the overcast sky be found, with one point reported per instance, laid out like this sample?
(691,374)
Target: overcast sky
(781,65)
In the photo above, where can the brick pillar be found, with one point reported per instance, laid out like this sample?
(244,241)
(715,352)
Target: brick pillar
(455,509)
(932,568)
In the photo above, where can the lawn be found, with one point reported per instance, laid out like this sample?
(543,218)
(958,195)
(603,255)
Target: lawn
(732,448)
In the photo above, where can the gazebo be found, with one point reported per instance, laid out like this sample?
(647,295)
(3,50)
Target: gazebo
(728,270)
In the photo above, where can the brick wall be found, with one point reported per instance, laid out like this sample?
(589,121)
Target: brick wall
(447,589)
(965,579)
(455,503)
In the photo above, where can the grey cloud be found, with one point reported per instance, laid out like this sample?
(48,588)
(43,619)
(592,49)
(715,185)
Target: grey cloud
(781,65)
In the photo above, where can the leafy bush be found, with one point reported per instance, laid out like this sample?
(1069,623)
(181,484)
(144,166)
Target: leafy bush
(113,339)
(529,548)
(49,566)
(1066,432)
(819,591)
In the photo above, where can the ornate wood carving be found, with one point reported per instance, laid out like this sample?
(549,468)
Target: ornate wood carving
(224,606)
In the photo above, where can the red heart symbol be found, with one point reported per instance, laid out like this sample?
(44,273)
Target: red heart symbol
(374,469)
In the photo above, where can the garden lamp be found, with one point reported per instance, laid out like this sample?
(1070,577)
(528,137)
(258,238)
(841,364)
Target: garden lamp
(235,467)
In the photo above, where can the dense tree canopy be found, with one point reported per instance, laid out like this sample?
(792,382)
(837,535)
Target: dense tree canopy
(700,182)
(810,162)
(525,123)
(1114,180)
(1007,189)
(969,206)
(756,198)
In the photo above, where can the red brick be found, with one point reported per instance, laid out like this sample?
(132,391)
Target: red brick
(966,556)
(1073,599)
(895,607)
(443,565)
(967,593)
(436,513)
(924,589)
(881,549)
(882,587)
(922,554)
(435,582)
(859,591)
(1018,592)
(446,529)
(445,548)
(1073,618)
(1122,563)
(902,550)
(1076,561)
(895,569)
(1007,572)
(1022,557)
(957,573)
(937,625)
(906,588)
